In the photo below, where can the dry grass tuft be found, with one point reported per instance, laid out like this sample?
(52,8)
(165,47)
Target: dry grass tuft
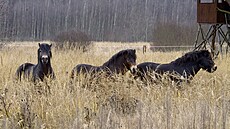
(117,102)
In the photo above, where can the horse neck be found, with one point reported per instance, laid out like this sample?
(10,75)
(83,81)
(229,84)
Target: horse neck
(192,68)
(115,65)
(44,68)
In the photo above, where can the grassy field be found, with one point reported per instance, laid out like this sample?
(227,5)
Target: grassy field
(119,103)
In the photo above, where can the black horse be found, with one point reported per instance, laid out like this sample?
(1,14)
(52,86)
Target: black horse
(183,68)
(145,69)
(41,70)
(121,62)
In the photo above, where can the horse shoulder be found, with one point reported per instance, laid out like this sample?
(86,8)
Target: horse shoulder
(36,73)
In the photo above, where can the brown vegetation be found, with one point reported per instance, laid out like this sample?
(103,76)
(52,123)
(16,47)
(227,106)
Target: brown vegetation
(71,39)
(120,102)
(170,34)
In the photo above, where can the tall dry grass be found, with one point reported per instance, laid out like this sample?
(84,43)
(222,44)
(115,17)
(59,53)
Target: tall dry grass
(118,102)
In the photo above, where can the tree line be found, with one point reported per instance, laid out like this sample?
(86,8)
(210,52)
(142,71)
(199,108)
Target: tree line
(101,20)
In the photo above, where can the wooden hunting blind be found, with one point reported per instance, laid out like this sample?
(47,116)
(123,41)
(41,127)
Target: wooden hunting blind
(207,11)
(214,13)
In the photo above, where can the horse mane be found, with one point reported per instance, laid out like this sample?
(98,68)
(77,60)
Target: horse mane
(191,57)
(116,56)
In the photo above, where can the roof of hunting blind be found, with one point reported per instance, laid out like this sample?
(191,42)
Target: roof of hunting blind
(213,11)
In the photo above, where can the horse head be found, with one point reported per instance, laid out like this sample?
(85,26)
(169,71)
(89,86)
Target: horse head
(130,59)
(122,61)
(44,53)
(206,61)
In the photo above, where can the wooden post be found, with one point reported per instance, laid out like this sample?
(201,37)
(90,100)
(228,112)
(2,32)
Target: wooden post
(144,49)
(213,48)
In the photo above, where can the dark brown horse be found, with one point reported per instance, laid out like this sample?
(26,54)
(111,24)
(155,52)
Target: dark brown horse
(121,62)
(183,68)
(145,70)
(37,72)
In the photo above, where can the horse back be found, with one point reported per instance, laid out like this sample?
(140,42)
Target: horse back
(147,66)
(162,68)
(83,69)
(25,70)
(144,69)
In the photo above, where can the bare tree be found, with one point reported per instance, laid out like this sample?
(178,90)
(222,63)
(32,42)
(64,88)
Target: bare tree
(110,20)
(3,11)
(2,8)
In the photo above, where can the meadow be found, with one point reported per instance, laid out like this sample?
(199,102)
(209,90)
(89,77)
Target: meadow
(119,103)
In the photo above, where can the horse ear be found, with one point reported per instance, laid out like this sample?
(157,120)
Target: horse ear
(125,52)
(39,44)
(206,53)
(134,50)
(51,45)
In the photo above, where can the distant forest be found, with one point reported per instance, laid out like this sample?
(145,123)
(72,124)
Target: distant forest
(101,20)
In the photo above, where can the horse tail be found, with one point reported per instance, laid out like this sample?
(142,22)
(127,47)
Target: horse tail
(19,72)
(72,74)
(80,69)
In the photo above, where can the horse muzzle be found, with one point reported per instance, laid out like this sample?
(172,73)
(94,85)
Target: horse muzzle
(214,68)
(45,59)
(133,69)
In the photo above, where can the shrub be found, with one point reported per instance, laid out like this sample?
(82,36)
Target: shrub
(2,45)
(173,34)
(72,40)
